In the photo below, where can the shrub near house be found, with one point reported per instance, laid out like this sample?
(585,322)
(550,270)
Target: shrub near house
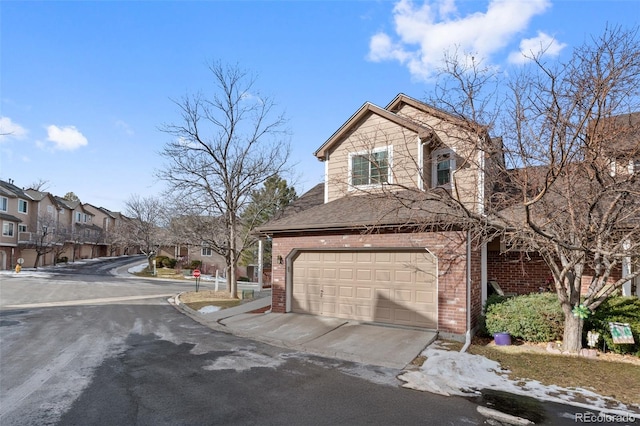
(538,318)
(616,309)
(533,317)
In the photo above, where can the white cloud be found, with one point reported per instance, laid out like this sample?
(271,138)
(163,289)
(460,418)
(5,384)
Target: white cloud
(9,129)
(542,44)
(65,138)
(425,32)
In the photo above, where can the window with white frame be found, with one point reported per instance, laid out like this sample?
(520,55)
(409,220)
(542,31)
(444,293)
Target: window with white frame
(22,206)
(4,202)
(370,167)
(22,228)
(7,229)
(206,251)
(78,216)
(444,164)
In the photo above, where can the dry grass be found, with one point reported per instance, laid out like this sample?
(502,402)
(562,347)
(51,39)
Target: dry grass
(197,300)
(609,375)
(173,274)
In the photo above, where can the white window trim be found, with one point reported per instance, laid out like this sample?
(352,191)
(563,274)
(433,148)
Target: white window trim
(421,145)
(9,226)
(389,150)
(209,249)
(5,202)
(434,167)
(26,205)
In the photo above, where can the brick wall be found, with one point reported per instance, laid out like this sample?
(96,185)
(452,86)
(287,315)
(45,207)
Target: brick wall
(517,272)
(524,273)
(448,247)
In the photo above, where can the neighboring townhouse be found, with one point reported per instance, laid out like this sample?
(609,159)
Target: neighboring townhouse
(41,229)
(194,238)
(14,205)
(109,223)
(359,254)
(46,232)
(84,237)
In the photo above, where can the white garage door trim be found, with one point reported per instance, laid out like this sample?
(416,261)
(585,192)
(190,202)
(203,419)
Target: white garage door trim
(412,305)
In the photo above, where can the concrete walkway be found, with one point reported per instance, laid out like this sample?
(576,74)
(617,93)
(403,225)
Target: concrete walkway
(367,343)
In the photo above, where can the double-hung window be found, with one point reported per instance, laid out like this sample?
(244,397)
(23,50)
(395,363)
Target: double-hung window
(7,229)
(4,202)
(444,164)
(370,167)
(22,206)
(206,251)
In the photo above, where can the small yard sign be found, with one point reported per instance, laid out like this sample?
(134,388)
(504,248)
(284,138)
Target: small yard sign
(621,333)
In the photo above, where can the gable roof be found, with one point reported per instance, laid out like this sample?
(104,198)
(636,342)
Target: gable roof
(103,210)
(39,196)
(311,198)
(366,212)
(396,104)
(8,189)
(364,111)
(620,134)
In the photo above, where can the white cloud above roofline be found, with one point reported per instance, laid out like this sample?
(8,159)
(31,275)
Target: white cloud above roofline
(424,33)
(542,44)
(65,138)
(9,129)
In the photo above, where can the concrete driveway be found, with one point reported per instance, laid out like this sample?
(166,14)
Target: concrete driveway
(374,344)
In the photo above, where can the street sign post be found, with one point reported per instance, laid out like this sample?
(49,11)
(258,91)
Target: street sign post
(196,275)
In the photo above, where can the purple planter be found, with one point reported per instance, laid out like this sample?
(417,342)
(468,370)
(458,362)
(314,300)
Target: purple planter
(502,339)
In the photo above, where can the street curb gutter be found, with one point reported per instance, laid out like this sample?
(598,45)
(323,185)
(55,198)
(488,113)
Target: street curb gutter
(503,417)
(175,301)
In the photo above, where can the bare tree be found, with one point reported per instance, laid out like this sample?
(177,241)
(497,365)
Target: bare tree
(40,185)
(563,180)
(143,229)
(225,146)
(47,238)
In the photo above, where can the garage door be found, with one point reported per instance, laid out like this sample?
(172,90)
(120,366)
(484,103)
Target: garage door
(391,286)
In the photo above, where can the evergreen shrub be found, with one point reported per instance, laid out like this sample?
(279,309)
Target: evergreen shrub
(615,309)
(535,317)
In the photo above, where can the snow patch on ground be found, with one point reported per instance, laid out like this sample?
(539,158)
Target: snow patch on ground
(208,309)
(242,361)
(447,372)
(138,268)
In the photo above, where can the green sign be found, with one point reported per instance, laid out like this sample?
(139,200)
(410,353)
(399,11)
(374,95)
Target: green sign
(621,333)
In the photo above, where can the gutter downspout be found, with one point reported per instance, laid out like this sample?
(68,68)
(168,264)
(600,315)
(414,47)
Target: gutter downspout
(467,341)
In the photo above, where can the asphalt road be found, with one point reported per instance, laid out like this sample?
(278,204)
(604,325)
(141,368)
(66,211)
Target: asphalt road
(85,347)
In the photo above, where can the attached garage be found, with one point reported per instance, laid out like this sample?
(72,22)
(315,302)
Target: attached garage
(392,286)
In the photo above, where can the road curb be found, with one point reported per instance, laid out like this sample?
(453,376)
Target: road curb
(504,417)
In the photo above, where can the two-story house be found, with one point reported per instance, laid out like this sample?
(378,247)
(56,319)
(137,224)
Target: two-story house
(358,253)
(381,240)
(14,206)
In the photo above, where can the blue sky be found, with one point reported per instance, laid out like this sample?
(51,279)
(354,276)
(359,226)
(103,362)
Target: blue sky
(85,85)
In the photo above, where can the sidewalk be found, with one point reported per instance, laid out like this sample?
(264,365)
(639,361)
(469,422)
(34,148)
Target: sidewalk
(373,344)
